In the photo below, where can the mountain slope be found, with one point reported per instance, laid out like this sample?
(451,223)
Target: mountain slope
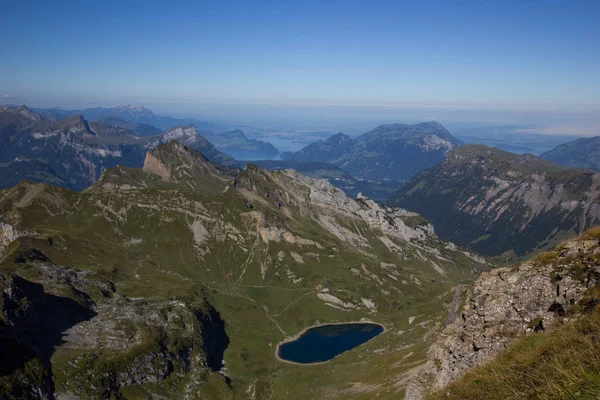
(189,136)
(74,152)
(183,280)
(580,153)
(389,152)
(493,201)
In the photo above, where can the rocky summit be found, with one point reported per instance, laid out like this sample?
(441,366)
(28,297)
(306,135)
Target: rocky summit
(179,280)
(500,203)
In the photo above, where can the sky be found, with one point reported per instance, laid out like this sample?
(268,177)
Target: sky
(525,56)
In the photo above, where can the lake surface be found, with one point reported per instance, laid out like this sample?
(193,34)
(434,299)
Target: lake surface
(322,343)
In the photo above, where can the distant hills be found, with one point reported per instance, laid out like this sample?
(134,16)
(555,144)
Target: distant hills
(73,152)
(496,202)
(132,127)
(141,121)
(128,113)
(236,144)
(580,153)
(393,152)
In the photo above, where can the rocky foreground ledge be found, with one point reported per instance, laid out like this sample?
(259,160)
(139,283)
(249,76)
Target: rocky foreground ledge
(510,302)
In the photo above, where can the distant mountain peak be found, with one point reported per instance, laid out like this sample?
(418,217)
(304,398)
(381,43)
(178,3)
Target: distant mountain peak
(129,107)
(78,124)
(339,138)
(23,111)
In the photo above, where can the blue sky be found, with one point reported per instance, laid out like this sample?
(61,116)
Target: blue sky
(525,55)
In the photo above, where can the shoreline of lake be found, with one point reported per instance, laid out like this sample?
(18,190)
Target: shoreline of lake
(303,331)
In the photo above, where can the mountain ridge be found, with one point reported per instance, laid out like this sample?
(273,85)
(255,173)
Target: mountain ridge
(393,152)
(495,202)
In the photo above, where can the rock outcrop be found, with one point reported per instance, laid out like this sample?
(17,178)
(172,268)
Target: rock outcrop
(509,302)
(121,341)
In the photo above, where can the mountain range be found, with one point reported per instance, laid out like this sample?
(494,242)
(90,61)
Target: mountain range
(127,113)
(141,121)
(175,271)
(497,202)
(393,152)
(74,152)
(179,279)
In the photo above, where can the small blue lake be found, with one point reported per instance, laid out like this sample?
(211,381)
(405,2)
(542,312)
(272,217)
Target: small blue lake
(322,343)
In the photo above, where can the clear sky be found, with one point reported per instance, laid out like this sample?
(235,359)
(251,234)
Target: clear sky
(538,55)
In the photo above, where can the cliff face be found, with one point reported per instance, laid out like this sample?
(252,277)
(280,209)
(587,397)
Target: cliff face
(506,303)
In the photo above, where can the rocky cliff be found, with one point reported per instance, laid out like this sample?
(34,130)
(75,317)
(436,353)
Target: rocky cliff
(550,290)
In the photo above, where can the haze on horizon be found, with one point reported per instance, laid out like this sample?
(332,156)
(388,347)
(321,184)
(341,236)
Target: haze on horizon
(503,62)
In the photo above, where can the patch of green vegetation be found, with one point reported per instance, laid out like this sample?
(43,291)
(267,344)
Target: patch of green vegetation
(482,238)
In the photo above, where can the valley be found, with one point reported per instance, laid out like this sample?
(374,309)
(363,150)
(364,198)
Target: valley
(255,266)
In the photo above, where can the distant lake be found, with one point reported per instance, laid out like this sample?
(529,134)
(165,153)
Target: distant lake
(322,343)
